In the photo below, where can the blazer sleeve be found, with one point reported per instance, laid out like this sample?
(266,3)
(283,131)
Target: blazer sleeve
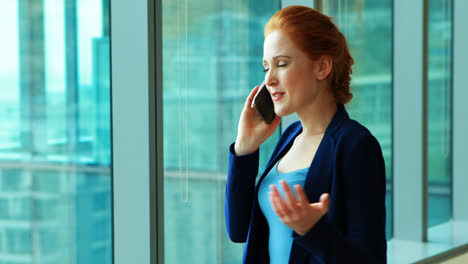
(363,179)
(240,191)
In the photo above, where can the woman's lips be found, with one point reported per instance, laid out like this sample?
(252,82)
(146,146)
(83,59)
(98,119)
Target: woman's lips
(277,95)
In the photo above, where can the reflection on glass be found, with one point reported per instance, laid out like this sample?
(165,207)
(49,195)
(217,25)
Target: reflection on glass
(55,164)
(439,112)
(367,26)
(223,62)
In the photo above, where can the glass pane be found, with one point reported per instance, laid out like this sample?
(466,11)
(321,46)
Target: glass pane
(367,26)
(439,112)
(55,163)
(223,62)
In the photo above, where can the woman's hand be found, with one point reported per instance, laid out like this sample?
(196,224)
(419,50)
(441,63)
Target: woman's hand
(252,130)
(299,215)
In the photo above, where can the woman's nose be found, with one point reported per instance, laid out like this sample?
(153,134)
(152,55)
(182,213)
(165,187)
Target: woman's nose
(271,79)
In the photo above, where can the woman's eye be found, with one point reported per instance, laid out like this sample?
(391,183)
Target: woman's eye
(282,64)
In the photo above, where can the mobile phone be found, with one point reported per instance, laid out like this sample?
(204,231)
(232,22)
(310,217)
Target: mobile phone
(264,104)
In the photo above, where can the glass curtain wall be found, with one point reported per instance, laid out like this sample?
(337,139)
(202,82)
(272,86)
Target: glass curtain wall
(439,112)
(367,26)
(212,58)
(55,152)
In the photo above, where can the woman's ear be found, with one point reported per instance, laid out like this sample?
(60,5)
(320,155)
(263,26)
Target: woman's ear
(325,64)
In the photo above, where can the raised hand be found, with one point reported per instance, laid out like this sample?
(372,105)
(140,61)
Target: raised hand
(252,130)
(298,214)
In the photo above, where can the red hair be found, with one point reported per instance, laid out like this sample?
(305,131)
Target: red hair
(315,34)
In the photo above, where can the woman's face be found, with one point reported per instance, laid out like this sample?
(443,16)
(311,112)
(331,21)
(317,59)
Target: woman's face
(290,75)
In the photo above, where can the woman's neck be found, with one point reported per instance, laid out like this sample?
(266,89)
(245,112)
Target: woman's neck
(316,117)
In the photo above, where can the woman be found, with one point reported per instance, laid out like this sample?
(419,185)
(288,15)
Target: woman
(321,198)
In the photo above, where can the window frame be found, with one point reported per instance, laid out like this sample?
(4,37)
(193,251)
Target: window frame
(460,111)
(136,95)
(408,159)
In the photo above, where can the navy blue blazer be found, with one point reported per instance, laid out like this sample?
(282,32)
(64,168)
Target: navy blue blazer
(349,165)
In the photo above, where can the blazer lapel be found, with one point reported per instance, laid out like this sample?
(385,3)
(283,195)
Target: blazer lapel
(280,153)
(286,146)
(318,180)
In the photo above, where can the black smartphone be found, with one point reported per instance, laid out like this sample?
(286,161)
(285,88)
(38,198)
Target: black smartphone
(264,104)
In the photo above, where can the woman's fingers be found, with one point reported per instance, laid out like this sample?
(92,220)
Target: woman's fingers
(290,199)
(279,205)
(325,201)
(248,102)
(301,196)
(322,205)
(274,205)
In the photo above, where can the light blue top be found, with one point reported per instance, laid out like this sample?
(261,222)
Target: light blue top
(280,240)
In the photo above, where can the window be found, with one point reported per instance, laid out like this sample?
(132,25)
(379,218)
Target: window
(223,60)
(55,162)
(439,113)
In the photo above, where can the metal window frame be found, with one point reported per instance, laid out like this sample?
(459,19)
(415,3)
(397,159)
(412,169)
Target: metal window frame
(460,111)
(156,131)
(136,131)
(409,115)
